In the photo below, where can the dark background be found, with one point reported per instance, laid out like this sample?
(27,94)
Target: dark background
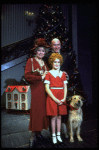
(87,48)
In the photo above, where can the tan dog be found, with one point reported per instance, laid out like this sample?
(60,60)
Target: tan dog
(75,117)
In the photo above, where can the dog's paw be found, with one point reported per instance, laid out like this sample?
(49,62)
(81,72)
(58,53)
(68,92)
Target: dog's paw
(71,140)
(79,138)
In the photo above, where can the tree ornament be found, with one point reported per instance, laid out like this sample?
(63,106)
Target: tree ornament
(48,25)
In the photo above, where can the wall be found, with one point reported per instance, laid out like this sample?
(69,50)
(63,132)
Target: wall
(11,76)
(65,11)
(84,22)
(74,32)
(14,26)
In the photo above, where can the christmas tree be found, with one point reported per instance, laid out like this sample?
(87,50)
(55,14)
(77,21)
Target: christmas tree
(50,23)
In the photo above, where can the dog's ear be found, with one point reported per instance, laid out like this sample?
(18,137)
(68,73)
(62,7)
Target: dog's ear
(81,97)
(70,98)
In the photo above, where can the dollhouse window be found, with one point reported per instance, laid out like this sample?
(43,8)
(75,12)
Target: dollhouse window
(23,97)
(15,96)
(23,105)
(9,96)
(9,104)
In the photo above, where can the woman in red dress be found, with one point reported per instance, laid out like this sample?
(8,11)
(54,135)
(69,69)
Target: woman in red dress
(56,87)
(35,72)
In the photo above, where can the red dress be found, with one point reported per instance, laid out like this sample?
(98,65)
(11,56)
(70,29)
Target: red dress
(55,82)
(38,118)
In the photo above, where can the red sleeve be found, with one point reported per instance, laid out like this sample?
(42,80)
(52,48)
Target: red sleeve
(29,76)
(64,78)
(47,78)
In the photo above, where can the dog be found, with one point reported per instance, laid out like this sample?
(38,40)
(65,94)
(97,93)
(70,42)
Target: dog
(75,118)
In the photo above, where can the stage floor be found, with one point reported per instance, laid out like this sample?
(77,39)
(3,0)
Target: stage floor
(15,133)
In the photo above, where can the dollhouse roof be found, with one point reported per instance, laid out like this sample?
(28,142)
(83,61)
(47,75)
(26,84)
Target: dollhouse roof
(20,88)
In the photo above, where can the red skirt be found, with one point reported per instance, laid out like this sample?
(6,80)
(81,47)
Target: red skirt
(53,109)
(38,118)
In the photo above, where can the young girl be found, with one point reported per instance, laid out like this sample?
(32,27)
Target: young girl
(56,88)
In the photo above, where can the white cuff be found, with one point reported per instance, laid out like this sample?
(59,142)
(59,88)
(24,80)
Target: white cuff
(65,82)
(46,81)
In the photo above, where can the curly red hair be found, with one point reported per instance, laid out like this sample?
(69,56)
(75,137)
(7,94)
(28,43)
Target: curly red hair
(53,57)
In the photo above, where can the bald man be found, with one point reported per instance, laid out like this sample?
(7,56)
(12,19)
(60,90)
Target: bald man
(56,48)
(55,45)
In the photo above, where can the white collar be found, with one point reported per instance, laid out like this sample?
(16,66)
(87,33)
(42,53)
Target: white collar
(54,73)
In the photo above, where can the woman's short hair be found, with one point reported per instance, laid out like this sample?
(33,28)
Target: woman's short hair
(53,57)
(37,48)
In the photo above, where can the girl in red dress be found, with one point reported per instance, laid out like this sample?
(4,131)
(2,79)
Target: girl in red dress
(56,87)
(35,72)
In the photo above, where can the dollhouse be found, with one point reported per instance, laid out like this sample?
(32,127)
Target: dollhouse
(18,97)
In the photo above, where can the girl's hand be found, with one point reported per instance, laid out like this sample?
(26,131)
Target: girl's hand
(63,100)
(58,102)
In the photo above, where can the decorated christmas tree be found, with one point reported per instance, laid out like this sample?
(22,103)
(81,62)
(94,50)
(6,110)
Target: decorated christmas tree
(50,23)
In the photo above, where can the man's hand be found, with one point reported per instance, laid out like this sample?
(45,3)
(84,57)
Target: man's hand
(67,76)
(43,76)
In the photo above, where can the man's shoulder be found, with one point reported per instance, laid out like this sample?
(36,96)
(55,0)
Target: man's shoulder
(48,54)
(63,53)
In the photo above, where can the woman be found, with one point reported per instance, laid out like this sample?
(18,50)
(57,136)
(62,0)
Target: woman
(56,87)
(35,72)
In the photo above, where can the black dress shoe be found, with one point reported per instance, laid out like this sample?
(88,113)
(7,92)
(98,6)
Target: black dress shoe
(40,137)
